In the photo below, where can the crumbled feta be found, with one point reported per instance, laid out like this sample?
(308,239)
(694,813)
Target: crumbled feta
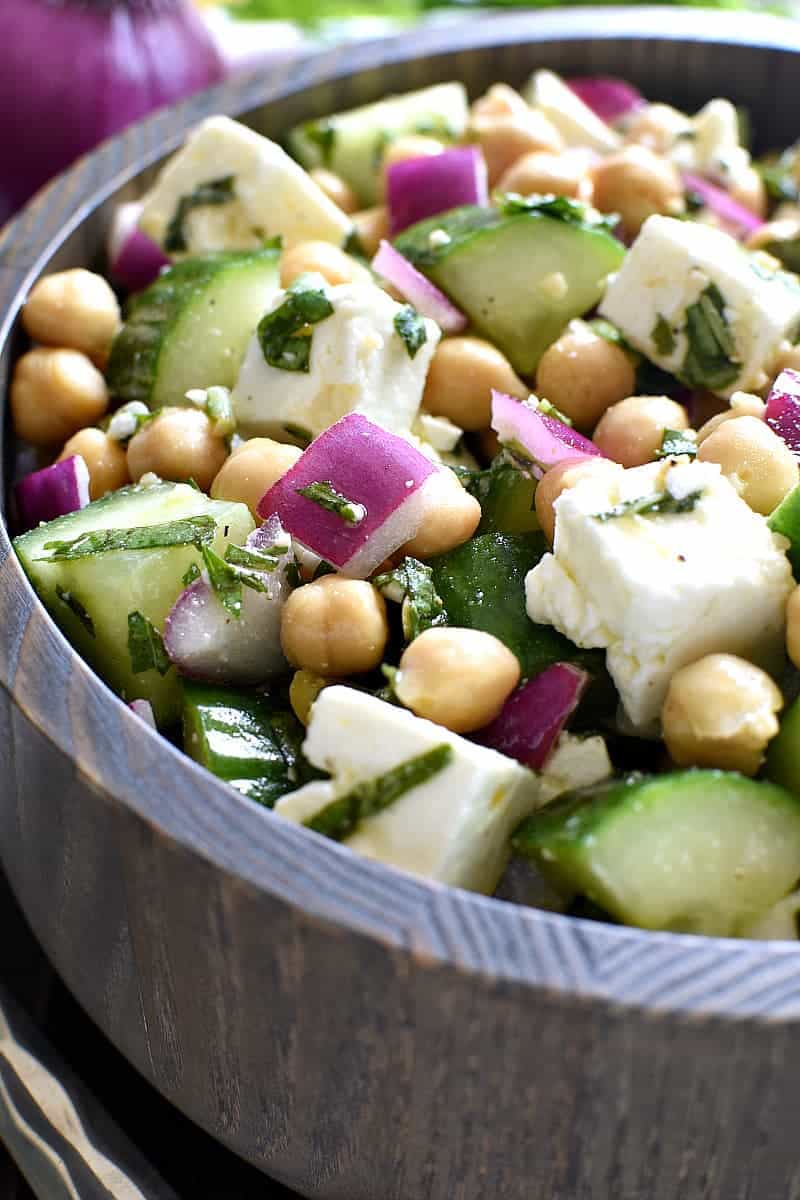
(660,591)
(125,421)
(438,237)
(573,119)
(438,432)
(576,762)
(713,148)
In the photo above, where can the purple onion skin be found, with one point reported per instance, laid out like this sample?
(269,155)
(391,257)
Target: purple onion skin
(74,74)
(783,408)
(532,719)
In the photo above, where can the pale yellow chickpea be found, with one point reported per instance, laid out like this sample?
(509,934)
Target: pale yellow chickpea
(75,309)
(303,691)
(749,191)
(106,460)
(452,516)
(371,226)
(409,145)
(248,474)
(636,183)
(326,259)
(178,444)
(720,712)
(459,678)
(658,127)
(335,188)
(793,626)
(460,379)
(499,101)
(758,463)
(335,626)
(770,232)
(505,138)
(54,393)
(543,173)
(632,431)
(561,478)
(583,374)
(742,404)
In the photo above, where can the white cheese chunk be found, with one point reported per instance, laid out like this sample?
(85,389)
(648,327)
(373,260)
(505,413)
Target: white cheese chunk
(710,146)
(576,762)
(440,433)
(271,194)
(358,363)
(573,119)
(659,591)
(669,268)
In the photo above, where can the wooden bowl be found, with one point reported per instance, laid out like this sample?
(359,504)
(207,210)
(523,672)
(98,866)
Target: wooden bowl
(357,1033)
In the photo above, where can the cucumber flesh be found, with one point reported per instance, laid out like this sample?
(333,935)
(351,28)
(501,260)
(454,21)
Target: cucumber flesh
(191,327)
(693,851)
(506,497)
(108,586)
(783,755)
(785,519)
(519,277)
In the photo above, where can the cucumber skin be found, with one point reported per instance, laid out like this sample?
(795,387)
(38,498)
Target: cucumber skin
(783,756)
(785,519)
(506,498)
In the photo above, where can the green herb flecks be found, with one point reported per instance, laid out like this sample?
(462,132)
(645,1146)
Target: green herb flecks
(302,436)
(225,581)
(285,334)
(220,411)
(559,208)
(778,177)
(188,531)
(675,442)
(412,584)
(340,818)
(663,337)
(436,126)
(215,191)
(293,576)
(326,496)
(549,410)
(190,575)
(74,605)
(323,568)
(694,201)
(656,504)
(254,560)
(145,646)
(710,354)
(321,134)
(410,326)
(353,244)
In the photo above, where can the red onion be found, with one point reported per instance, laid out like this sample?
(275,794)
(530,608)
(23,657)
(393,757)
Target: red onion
(783,408)
(733,217)
(534,435)
(421,187)
(144,710)
(376,472)
(419,291)
(134,259)
(532,719)
(76,72)
(610,99)
(52,492)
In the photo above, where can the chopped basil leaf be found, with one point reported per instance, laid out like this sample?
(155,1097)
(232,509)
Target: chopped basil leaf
(301,435)
(256,560)
(283,333)
(437,126)
(326,496)
(354,245)
(74,605)
(411,328)
(645,506)
(778,178)
(559,208)
(321,134)
(191,573)
(225,581)
(188,531)
(694,201)
(549,410)
(215,191)
(675,442)
(339,818)
(383,141)
(145,646)
(663,337)
(709,360)
(323,568)
(412,581)
(293,577)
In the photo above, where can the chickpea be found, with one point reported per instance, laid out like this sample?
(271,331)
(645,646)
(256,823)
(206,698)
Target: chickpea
(76,309)
(506,138)
(179,444)
(459,678)
(451,517)
(743,404)
(54,393)
(539,172)
(500,101)
(252,469)
(773,231)
(335,626)
(758,463)
(658,127)
(632,431)
(335,188)
(636,183)
(583,374)
(303,691)
(460,379)
(105,460)
(720,712)
(750,192)
(561,478)
(410,145)
(324,258)
(371,226)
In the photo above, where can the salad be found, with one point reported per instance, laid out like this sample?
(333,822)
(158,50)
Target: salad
(437,486)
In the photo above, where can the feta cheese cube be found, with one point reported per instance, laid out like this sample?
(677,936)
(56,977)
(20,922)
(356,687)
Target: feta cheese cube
(576,762)
(700,306)
(660,590)
(711,146)
(270,194)
(358,363)
(573,119)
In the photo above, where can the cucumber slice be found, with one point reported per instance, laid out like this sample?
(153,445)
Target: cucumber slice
(90,597)
(693,851)
(519,277)
(506,499)
(353,143)
(785,519)
(191,327)
(783,755)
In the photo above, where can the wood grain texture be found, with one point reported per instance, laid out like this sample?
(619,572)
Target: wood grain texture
(357,1033)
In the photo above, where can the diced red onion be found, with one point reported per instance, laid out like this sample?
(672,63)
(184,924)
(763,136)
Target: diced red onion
(371,467)
(417,188)
(539,437)
(610,99)
(733,217)
(205,642)
(783,408)
(144,710)
(532,719)
(419,291)
(52,492)
(134,259)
